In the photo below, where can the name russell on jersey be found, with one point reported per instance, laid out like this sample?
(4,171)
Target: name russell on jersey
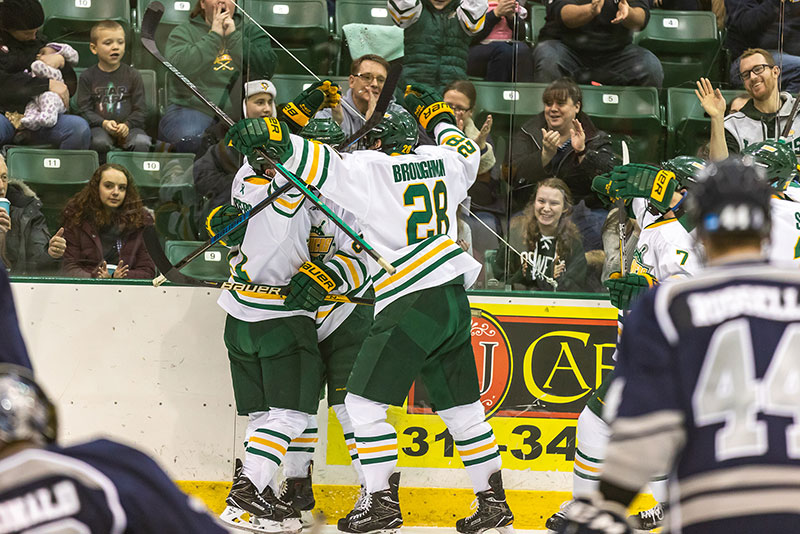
(38,506)
(418,170)
(766,302)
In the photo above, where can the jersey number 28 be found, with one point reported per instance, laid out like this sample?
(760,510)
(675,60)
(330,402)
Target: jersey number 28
(433,203)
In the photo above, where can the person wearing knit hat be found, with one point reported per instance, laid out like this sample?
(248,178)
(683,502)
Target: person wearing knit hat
(259,99)
(20,43)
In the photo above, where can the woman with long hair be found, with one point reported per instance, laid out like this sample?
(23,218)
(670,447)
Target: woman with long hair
(549,242)
(103,226)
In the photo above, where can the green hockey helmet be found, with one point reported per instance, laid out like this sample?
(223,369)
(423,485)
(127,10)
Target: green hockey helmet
(325,131)
(777,159)
(397,132)
(685,169)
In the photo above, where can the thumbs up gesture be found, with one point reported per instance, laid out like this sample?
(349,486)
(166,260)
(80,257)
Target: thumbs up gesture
(58,245)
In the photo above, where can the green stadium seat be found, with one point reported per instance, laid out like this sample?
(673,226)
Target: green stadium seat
(510,106)
(357,12)
(631,113)
(688,126)
(686,42)
(175,12)
(159,177)
(70,21)
(210,265)
(302,26)
(55,175)
(538,13)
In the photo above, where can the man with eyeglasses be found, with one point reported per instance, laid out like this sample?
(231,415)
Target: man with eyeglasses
(763,117)
(367,76)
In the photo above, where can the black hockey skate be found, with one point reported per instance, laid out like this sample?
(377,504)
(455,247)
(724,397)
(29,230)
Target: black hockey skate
(258,512)
(492,510)
(299,494)
(648,519)
(380,512)
(557,520)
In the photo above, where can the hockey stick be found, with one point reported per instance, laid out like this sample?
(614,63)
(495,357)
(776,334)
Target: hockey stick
(168,271)
(622,219)
(792,114)
(152,16)
(153,247)
(384,99)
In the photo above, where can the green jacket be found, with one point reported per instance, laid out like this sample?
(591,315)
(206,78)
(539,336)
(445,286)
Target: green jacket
(435,47)
(214,63)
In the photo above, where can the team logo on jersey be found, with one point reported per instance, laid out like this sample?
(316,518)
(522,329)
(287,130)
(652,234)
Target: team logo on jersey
(638,266)
(223,62)
(319,244)
(492,358)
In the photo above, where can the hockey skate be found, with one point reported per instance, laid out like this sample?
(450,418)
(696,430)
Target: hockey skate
(380,512)
(492,511)
(647,520)
(247,509)
(299,494)
(556,521)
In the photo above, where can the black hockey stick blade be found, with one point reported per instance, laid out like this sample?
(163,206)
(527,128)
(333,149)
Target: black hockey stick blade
(792,114)
(384,99)
(153,246)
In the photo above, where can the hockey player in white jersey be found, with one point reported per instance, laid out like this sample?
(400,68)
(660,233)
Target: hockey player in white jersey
(665,250)
(705,374)
(406,206)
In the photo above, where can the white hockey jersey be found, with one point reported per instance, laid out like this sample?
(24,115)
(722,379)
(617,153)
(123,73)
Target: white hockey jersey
(665,249)
(406,205)
(785,236)
(329,243)
(273,249)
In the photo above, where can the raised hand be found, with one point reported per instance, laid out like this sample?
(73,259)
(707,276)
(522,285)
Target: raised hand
(122,270)
(549,145)
(577,136)
(623,10)
(218,21)
(711,99)
(57,245)
(483,134)
(5,221)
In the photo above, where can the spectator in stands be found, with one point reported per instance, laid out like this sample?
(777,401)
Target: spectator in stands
(549,242)
(563,142)
(214,171)
(762,117)
(593,42)
(111,94)
(757,24)
(499,52)
(103,226)
(20,43)
(211,49)
(25,243)
(367,76)
(436,37)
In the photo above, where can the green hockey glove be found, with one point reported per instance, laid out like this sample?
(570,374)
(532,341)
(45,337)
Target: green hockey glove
(268,133)
(425,103)
(625,289)
(219,219)
(300,110)
(638,181)
(309,287)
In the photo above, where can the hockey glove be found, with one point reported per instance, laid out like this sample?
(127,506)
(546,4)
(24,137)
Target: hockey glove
(425,103)
(220,218)
(267,133)
(638,181)
(595,516)
(625,289)
(309,287)
(300,110)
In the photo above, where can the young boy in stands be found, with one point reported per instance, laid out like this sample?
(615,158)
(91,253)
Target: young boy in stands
(111,94)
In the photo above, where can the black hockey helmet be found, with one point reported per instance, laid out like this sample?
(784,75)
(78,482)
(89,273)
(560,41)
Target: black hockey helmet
(26,414)
(731,197)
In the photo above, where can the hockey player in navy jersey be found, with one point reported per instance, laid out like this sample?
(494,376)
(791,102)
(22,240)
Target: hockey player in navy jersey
(12,348)
(707,375)
(98,487)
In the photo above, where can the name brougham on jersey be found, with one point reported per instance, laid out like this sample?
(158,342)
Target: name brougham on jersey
(38,506)
(418,170)
(714,307)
